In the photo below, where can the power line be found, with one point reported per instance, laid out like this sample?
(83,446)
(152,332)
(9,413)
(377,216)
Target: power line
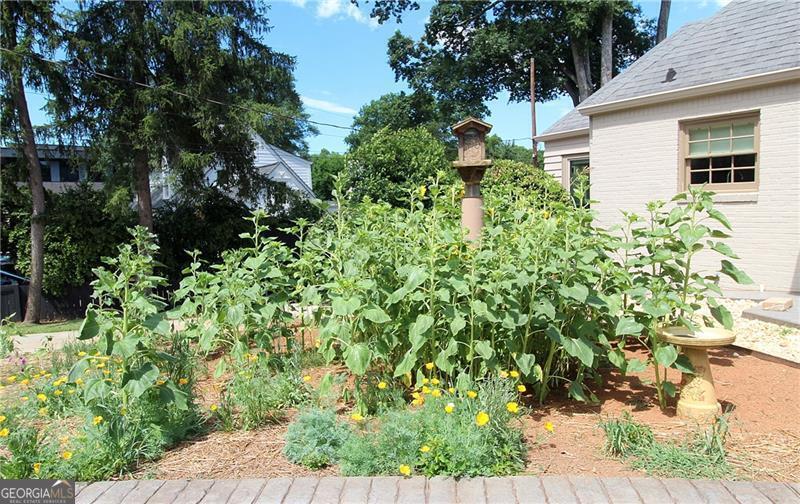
(176,92)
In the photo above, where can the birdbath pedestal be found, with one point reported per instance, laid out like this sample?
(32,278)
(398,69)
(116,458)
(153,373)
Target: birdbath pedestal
(698,400)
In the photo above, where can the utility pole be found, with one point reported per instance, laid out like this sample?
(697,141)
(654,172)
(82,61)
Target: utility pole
(533,116)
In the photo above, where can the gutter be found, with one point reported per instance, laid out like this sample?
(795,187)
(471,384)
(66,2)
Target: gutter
(558,135)
(749,81)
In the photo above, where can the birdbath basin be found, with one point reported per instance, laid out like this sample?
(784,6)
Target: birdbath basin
(698,400)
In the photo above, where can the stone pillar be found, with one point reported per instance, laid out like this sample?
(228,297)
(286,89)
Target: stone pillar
(471,165)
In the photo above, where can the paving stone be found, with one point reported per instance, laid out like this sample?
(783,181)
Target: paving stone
(194,491)
(471,491)
(558,490)
(441,490)
(528,489)
(620,490)
(499,491)
(745,492)
(411,490)
(682,491)
(714,491)
(168,491)
(795,487)
(778,492)
(116,493)
(247,491)
(356,490)
(328,490)
(301,491)
(220,491)
(588,489)
(89,494)
(143,491)
(384,490)
(650,491)
(80,485)
(274,490)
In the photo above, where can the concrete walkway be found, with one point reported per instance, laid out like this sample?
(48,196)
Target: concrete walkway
(30,343)
(419,490)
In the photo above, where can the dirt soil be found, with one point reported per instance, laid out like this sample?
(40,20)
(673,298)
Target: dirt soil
(764,441)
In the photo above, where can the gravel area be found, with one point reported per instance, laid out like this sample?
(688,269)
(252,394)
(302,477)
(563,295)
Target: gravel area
(772,339)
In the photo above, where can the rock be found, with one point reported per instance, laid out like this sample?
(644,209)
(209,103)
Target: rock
(777,304)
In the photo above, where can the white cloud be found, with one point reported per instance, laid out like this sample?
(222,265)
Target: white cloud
(326,9)
(299,3)
(327,106)
(723,3)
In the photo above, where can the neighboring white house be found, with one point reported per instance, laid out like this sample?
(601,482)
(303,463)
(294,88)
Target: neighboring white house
(275,163)
(717,103)
(62,167)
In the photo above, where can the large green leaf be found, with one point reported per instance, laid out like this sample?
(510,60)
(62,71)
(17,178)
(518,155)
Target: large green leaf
(235,315)
(357,358)
(416,333)
(666,355)
(95,389)
(407,364)
(722,315)
(126,346)
(719,217)
(578,292)
(90,327)
(484,349)
(635,366)
(343,307)
(627,325)
(139,380)
(376,315)
(443,359)
(690,235)
(553,333)
(525,362)
(170,394)
(158,324)
(724,249)
(735,273)
(457,324)
(78,369)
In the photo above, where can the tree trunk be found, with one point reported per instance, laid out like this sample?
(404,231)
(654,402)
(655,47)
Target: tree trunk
(582,77)
(141,170)
(663,20)
(34,304)
(607,47)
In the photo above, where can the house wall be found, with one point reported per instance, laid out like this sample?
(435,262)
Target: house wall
(556,150)
(635,159)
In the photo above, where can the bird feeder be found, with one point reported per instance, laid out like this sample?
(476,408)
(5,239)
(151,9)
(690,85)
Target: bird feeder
(471,165)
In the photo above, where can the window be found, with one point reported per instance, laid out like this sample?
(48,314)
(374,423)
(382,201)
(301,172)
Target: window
(577,178)
(721,154)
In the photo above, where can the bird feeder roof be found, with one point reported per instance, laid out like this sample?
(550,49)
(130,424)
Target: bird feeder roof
(471,122)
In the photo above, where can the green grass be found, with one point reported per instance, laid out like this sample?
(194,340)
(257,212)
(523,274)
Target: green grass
(702,456)
(48,327)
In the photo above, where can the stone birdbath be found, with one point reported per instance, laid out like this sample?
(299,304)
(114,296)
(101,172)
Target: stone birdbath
(698,400)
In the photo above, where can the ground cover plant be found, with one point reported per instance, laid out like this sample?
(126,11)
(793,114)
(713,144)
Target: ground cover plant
(702,456)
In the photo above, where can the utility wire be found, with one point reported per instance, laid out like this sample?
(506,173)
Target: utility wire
(176,92)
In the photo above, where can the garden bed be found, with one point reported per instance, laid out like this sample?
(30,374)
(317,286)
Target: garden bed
(764,440)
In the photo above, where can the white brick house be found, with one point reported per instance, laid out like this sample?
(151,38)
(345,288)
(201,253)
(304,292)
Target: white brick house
(717,103)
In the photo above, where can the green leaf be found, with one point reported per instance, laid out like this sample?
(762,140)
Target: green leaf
(89,328)
(735,273)
(628,325)
(690,235)
(719,217)
(219,370)
(95,388)
(407,364)
(416,333)
(484,349)
(546,308)
(78,369)
(443,359)
(617,358)
(376,315)
(139,380)
(170,394)
(580,348)
(343,307)
(126,346)
(666,355)
(357,358)
(158,324)
(576,392)
(683,364)
(669,388)
(457,324)
(577,292)
(525,362)
(235,315)
(724,249)
(553,333)
(723,316)
(635,366)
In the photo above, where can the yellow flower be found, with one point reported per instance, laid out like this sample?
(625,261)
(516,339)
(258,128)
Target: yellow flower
(405,470)
(425,380)
(66,455)
(472,394)
(96,352)
(41,397)
(435,381)
(42,411)
(81,354)
(449,408)
(503,374)
(97,420)
(213,407)
(382,385)
(482,418)
(79,381)
(451,390)
(429,366)
(63,439)
(425,449)
(307,378)
(4,432)
(124,411)
(106,372)
(546,214)
(58,392)
(512,407)
(436,393)
(100,365)
(418,402)
(548,426)
(183,381)
(422,191)
(514,374)
(2,418)
(37,466)
(25,381)
(521,388)
(24,398)
(426,389)
(71,391)
(415,395)
(357,417)
(11,379)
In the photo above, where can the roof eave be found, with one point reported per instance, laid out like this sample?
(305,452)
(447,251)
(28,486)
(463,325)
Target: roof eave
(558,135)
(749,81)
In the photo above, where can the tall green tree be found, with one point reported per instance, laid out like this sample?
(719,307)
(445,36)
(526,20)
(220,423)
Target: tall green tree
(324,168)
(27,28)
(189,83)
(471,51)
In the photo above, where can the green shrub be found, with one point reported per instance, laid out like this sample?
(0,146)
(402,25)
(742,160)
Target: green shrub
(700,457)
(508,179)
(390,164)
(314,439)
(431,441)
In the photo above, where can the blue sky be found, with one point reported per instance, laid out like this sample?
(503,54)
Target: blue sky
(342,63)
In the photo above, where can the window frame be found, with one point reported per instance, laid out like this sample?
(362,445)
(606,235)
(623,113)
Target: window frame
(684,177)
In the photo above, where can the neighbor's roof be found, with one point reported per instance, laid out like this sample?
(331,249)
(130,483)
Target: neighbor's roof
(744,39)
(574,122)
